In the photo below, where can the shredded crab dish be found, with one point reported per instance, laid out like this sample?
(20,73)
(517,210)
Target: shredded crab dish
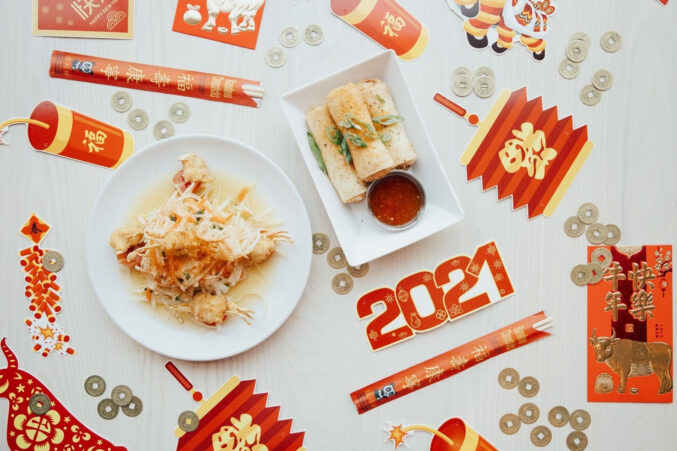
(195,248)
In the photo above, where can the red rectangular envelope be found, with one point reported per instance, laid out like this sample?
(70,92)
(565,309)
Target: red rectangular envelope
(112,19)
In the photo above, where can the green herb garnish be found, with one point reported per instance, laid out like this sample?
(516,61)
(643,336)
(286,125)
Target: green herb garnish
(334,135)
(388,120)
(316,152)
(348,123)
(345,151)
(380,99)
(356,140)
(385,137)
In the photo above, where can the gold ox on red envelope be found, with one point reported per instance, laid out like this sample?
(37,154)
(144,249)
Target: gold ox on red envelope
(112,19)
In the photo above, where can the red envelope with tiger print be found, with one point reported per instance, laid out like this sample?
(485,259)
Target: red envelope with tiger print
(112,19)
(630,325)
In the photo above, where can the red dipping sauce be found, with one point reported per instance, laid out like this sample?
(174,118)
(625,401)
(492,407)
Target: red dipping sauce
(396,200)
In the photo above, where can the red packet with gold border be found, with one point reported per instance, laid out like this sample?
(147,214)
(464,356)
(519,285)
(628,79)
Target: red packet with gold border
(238,25)
(112,19)
(630,325)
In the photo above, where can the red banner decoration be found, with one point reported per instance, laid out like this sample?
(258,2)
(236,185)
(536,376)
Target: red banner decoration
(235,418)
(485,281)
(630,349)
(109,19)
(52,426)
(526,152)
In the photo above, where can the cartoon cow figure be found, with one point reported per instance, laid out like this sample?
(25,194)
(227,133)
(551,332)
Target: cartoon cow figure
(51,426)
(629,358)
(527,17)
(236,10)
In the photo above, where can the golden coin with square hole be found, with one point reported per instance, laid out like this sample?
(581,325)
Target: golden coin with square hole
(588,213)
(602,80)
(107,409)
(342,283)
(558,416)
(95,386)
(611,42)
(577,441)
(313,34)
(602,256)
(52,261)
(508,378)
(596,233)
(509,423)
(569,69)
(122,395)
(573,227)
(462,85)
(613,235)
(590,95)
(134,408)
(39,404)
(581,275)
(579,420)
(358,271)
(276,57)
(188,421)
(121,102)
(138,119)
(576,51)
(541,436)
(484,87)
(179,112)
(163,130)
(528,387)
(320,243)
(597,273)
(580,36)
(485,72)
(529,413)
(290,37)
(336,258)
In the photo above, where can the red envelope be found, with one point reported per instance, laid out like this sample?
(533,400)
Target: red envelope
(84,18)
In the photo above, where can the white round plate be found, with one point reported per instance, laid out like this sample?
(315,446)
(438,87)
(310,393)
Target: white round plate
(157,331)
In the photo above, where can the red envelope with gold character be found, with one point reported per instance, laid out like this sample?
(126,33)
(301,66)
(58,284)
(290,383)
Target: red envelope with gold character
(630,325)
(84,18)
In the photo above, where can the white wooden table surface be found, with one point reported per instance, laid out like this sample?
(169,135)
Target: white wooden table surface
(320,355)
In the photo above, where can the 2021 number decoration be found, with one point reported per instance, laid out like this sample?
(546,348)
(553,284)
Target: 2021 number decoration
(457,287)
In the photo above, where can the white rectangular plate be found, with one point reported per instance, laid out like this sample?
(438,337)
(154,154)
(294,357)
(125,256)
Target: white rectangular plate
(361,238)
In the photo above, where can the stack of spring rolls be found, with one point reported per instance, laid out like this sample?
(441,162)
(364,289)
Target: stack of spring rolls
(359,103)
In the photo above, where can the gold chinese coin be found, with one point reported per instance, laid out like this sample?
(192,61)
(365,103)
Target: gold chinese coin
(358,271)
(597,273)
(138,119)
(462,85)
(581,275)
(509,423)
(39,404)
(577,441)
(188,421)
(290,37)
(613,234)
(95,386)
(596,233)
(573,227)
(558,416)
(584,38)
(588,213)
(108,409)
(484,87)
(602,256)
(529,413)
(313,35)
(541,436)
(163,130)
(134,408)
(579,420)
(179,112)
(121,102)
(508,378)
(611,42)
(569,69)
(602,80)
(590,95)
(276,57)
(485,72)
(342,283)
(461,71)
(122,395)
(528,387)
(576,51)
(320,243)
(336,258)
(52,261)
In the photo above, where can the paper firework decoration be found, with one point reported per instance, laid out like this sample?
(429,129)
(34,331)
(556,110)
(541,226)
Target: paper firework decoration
(453,435)
(236,419)
(526,152)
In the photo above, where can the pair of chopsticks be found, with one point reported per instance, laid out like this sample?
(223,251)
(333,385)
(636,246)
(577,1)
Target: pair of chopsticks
(254,91)
(544,324)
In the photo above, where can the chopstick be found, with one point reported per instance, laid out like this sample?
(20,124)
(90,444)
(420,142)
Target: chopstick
(254,91)
(544,324)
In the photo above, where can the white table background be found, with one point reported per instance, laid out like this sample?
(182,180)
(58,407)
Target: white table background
(320,355)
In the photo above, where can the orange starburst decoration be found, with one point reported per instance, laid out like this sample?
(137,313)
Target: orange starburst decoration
(35,229)
(397,434)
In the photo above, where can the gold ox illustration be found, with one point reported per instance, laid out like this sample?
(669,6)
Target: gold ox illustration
(527,150)
(630,358)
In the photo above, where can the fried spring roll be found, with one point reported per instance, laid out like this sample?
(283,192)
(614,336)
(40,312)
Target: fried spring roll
(380,102)
(371,159)
(342,174)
